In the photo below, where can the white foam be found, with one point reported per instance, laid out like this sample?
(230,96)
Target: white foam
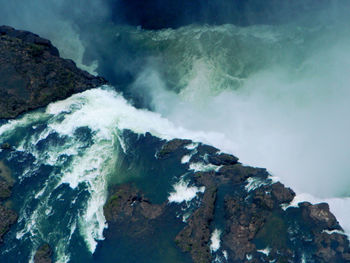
(215,240)
(254,183)
(186,158)
(265,251)
(191,146)
(202,167)
(183,192)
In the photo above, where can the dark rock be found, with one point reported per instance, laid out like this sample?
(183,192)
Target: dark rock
(319,216)
(222,159)
(128,203)
(239,173)
(204,149)
(7,218)
(172,146)
(30,38)
(250,219)
(281,193)
(5,189)
(127,209)
(43,254)
(194,238)
(242,225)
(5,146)
(331,248)
(32,74)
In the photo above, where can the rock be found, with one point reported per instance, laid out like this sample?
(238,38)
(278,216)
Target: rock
(222,159)
(239,173)
(5,189)
(128,203)
(282,194)
(5,146)
(331,248)
(251,218)
(319,216)
(43,254)
(172,146)
(30,38)
(7,218)
(194,238)
(243,222)
(32,74)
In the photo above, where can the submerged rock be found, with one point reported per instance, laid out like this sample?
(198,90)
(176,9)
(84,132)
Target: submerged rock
(43,254)
(32,74)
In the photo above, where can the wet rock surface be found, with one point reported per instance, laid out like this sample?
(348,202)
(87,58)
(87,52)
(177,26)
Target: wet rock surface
(32,74)
(128,203)
(43,254)
(194,238)
(257,225)
(7,216)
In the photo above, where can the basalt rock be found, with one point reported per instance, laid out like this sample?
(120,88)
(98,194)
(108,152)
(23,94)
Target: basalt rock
(129,208)
(257,224)
(255,218)
(222,159)
(194,238)
(32,74)
(5,146)
(319,215)
(172,146)
(7,218)
(43,254)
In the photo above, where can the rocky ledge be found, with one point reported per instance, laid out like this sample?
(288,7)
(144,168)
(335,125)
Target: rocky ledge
(32,74)
(250,210)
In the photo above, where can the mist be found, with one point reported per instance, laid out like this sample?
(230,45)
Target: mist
(58,21)
(289,117)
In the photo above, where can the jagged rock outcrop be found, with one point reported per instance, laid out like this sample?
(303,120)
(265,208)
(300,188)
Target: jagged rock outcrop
(256,217)
(194,238)
(32,74)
